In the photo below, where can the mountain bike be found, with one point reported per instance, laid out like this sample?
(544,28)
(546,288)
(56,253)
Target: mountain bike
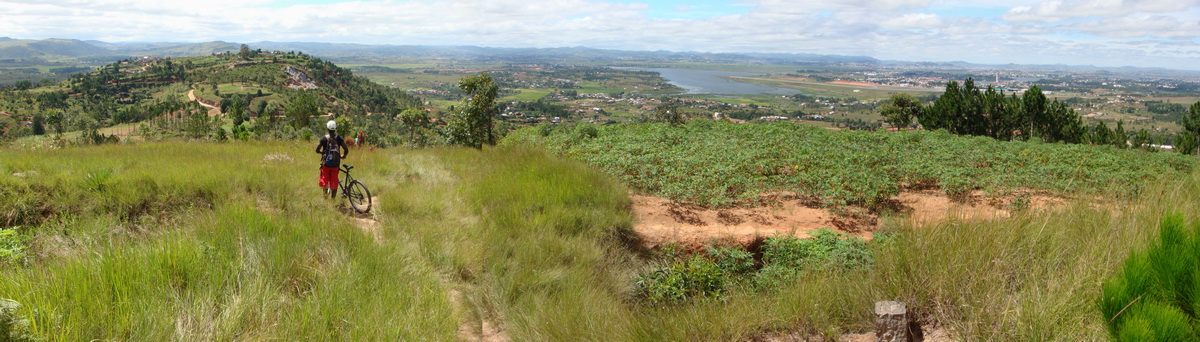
(355,191)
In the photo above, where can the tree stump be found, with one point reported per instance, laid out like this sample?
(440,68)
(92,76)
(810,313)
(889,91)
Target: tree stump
(891,322)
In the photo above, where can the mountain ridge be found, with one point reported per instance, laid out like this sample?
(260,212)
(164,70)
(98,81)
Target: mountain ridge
(93,50)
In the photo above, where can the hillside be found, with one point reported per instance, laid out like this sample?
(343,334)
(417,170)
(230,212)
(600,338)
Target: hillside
(78,50)
(167,96)
(150,242)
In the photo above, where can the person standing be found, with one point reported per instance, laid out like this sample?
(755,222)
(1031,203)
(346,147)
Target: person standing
(332,149)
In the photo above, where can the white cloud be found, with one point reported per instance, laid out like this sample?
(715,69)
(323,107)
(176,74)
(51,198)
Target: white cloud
(927,21)
(1059,10)
(1031,32)
(1157,26)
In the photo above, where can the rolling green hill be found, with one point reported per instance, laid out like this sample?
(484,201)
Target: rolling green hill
(253,87)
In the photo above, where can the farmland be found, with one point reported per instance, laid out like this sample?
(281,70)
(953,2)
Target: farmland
(717,163)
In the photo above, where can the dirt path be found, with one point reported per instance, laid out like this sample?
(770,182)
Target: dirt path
(367,221)
(212,110)
(478,324)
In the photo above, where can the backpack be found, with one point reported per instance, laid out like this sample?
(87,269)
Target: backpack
(333,151)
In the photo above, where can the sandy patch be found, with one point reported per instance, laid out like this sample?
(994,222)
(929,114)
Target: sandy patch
(659,221)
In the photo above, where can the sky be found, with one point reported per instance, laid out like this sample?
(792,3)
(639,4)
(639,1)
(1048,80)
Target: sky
(1106,33)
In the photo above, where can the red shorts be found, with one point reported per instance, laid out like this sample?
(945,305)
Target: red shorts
(329,178)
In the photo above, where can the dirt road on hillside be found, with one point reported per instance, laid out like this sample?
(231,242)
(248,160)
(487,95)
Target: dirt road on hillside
(212,110)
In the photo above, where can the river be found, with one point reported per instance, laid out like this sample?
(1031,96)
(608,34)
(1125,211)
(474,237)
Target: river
(711,82)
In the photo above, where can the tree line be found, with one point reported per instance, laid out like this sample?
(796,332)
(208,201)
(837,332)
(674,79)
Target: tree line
(967,109)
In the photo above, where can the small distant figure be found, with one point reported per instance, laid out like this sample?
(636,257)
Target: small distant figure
(332,149)
(359,140)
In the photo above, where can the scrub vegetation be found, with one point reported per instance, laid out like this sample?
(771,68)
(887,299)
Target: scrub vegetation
(232,241)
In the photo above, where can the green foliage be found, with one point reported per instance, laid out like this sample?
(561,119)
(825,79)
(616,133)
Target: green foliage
(12,245)
(784,259)
(39,124)
(586,130)
(98,180)
(347,127)
(1186,143)
(1156,295)
(472,124)
(13,327)
(732,261)
(967,110)
(669,113)
(174,248)
(416,122)
(786,256)
(219,134)
(901,109)
(683,280)
(1191,121)
(301,109)
(721,164)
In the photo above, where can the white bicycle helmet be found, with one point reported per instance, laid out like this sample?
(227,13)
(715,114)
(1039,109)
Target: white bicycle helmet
(332,125)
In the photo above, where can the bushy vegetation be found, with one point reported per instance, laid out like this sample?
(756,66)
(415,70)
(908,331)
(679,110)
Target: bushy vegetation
(720,164)
(784,258)
(1154,296)
(152,241)
(153,91)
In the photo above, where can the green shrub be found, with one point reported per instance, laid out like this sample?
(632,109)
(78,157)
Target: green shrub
(98,180)
(732,261)
(1154,297)
(586,130)
(679,281)
(12,247)
(12,326)
(826,248)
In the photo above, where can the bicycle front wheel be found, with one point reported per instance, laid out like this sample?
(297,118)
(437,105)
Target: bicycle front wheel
(359,196)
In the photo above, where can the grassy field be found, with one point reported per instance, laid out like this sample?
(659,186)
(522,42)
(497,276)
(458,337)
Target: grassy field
(528,95)
(207,241)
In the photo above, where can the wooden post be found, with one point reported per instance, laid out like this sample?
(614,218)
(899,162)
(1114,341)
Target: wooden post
(891,322)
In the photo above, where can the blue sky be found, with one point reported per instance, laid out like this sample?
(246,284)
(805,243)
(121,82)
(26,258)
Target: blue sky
(1147,33)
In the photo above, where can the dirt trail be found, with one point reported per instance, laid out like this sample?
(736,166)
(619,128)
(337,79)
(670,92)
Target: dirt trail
(659,221)
(212,110)
(367,221)
(477,323)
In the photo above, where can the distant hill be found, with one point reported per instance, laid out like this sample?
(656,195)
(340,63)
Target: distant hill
(73,49)
(47,48)
(70,51)
(244,85)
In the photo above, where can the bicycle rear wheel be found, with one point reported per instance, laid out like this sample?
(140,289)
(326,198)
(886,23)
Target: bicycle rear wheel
(359,196)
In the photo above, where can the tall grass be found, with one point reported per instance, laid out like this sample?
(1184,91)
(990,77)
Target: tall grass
(1034,276)
(232,244)
(210,242)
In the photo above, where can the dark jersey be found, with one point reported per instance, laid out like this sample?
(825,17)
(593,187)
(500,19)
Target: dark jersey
(331,150)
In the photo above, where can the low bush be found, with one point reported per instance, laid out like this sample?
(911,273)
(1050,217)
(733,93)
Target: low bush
(693,277)
(784,258)
(12,247)
(13,327)
(732,260)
